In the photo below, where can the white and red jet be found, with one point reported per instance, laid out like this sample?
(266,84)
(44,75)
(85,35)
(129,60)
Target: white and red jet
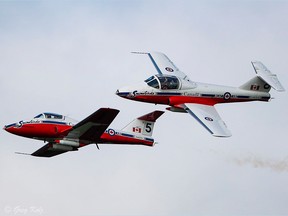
(173,87)
(65,134)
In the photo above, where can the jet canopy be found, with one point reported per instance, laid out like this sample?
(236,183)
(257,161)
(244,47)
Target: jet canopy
(49,116)
(163,82)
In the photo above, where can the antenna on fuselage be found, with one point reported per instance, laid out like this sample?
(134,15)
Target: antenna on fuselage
(97,146)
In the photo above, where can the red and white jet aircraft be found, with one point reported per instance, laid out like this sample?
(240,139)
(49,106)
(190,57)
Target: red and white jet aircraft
(173,87)
(64,134)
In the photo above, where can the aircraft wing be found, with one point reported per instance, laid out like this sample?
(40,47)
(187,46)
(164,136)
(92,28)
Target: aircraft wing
(92,127)
(50,150)
(208,117)
(164,65)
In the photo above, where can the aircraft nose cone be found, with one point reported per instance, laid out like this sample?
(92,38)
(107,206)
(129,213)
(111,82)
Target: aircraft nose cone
(121,93)
(9,127)
(130,91)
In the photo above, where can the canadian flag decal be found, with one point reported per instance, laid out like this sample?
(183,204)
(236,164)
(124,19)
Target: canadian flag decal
(254,87)
(136,129)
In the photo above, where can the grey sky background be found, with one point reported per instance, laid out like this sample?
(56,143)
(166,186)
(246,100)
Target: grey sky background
(70,57)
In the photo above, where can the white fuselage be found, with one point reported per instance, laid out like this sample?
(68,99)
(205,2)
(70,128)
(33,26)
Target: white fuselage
(189,92)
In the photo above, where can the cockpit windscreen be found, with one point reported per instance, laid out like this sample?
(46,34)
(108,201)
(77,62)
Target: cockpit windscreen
(163,82)
(168,82)
(153,82)
(49,116)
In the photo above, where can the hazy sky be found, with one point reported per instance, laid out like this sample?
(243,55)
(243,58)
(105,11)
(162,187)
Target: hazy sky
(69,57)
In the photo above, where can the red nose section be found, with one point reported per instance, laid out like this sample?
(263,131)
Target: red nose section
(17,129)
(33,130)
(9,128)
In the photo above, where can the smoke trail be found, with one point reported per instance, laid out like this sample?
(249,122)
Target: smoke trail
(278,165)
(275,165)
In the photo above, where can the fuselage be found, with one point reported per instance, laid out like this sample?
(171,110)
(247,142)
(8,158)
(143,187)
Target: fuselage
(56,130)
(178,91)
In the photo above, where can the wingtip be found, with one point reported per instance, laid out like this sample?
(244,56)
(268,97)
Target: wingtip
(109,108)
(222,135)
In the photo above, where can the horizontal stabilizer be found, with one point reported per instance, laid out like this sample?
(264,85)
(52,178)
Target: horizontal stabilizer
(153,116)
(267,76)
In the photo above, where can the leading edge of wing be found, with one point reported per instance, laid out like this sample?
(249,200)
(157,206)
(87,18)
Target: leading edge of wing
(209,118)
(92,127)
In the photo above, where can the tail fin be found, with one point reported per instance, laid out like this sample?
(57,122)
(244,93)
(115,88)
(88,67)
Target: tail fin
(144,124)
(256,84)
(264,79)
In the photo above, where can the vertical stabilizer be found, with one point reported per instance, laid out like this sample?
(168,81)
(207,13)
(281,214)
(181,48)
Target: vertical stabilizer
(143,125)
(256,84)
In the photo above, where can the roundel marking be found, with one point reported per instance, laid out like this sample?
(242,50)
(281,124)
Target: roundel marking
(208,119)
(111,132)
(169,69)
(227,96)
(266,86)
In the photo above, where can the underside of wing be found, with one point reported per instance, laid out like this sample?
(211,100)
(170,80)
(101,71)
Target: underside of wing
(164,65)
(51,149)
(91,128)
(209,118)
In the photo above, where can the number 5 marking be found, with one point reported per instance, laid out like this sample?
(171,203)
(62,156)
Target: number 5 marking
(148,128)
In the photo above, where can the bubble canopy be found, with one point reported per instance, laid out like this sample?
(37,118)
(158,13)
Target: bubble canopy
(49,116)
(163,82)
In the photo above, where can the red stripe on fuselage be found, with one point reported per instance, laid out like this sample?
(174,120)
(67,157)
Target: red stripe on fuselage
(176,100)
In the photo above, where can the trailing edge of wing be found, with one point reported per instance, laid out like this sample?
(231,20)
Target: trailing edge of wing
(267,76)
(50,150)
(209,118)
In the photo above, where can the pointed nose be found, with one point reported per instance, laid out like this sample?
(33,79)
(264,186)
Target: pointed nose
(122,93)
(131,90)
(9,127)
